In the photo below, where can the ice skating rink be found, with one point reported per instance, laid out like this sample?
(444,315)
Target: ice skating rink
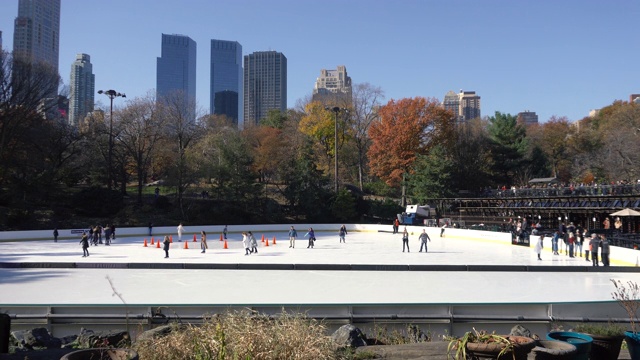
(370,268)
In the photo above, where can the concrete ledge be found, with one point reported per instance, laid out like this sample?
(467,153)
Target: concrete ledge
(47,265)
(155,266)
(210,266)
(509,268)
(101,265)
(331,267)
(265,266)
(380,267)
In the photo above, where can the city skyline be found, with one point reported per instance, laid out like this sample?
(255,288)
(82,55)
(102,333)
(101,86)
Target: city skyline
(553,58)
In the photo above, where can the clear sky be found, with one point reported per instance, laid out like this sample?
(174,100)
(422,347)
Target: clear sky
(553,57)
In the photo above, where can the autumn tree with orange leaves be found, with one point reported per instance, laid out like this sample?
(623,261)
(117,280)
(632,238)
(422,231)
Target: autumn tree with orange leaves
(407,127)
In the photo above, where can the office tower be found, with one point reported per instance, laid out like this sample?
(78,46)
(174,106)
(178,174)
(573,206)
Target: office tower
(333,87)
(452,103)
(82,89)
(265,85)
(226,80)
(36,34)
(527,118)
(469,105)
(176,71)
(465,105)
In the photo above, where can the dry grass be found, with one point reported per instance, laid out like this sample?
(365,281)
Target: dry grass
(244,335)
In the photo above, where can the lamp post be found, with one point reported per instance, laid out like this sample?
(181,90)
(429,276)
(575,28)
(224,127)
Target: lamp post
(112,94)
(336,110)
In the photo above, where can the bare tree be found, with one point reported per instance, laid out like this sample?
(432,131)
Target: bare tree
(141,130)
(366,100)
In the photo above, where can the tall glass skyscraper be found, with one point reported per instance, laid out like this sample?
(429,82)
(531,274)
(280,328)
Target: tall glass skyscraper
(82,89)
(176,69)
(265,85)
(36,31)
(226,79)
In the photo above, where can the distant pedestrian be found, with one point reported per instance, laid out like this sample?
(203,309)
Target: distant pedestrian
(405,239)
(606,250)
(554,242)
(572,241)
(539,246)
(442,229)
(84,241)
(594,244)
(55,235)
(424,237)
(224,232)
(253,242)
(292,237)
(396,225)
(107,235)
(150,229)
(312,237)
(113,232)
(587,248)
(203,241)
(180,231)
(166,246)
(245,244)
(342,233)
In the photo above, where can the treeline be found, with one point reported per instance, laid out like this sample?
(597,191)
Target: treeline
(282,169)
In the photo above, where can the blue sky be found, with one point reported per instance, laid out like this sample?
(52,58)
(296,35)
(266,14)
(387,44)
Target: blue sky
(553,57)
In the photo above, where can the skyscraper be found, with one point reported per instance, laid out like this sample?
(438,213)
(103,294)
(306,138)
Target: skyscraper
(82,89)
(176,70)
(36,33)
(265,85)
(465,105)
(226,79)
(333,86)
(527,118)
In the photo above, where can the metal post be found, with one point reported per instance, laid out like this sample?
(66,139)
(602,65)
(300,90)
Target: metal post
(112,94)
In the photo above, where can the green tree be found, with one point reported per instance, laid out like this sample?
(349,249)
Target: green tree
(508,147)
(344,206)
(432,176)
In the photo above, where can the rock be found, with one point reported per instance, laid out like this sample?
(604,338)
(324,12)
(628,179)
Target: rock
(349,336)
(159,331)
(115,338)
(520,330)
(37,338)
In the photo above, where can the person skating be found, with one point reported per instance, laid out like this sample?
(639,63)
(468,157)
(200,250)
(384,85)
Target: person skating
(539,246)
(312,237)
(253,242)
(245,244)
(224,232)
(594,243)
(55,235)
(442,229)
(342,233)
(405,239)
(85,244)
(180,231)
(606,250)
(203,241)
(166,246)
(292,237)
(424,237)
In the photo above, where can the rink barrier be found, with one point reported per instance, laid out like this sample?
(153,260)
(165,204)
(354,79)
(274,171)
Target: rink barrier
(322,267)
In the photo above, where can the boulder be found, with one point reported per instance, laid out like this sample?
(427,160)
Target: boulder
(37,338)
(349,336)
(520,330)
(114,338)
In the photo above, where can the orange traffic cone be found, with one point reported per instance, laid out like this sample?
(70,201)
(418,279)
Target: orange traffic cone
(266,243)
(274,240)
(225,244)
(262,237)
(151,238)
(186,244)
(220,237)
(158,244)
(152,241)
(145,243)
(194,238)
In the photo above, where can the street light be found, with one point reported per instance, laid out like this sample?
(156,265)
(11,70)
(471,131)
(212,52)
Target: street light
(112,94)
(336,110)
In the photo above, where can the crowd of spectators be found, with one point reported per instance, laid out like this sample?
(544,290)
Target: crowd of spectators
(564,189)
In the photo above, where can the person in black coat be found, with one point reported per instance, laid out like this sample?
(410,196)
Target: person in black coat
(166,246)
(85,244)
